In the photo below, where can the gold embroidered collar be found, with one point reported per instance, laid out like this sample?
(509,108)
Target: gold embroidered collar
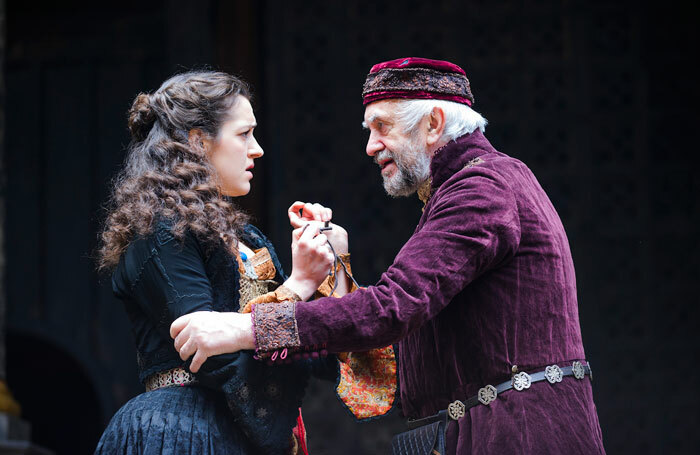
(425,191)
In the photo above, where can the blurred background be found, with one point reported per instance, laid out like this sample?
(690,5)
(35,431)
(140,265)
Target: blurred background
(599,98)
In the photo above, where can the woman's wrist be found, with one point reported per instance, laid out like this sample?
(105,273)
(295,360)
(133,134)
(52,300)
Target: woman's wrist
(304,288)
(344,285)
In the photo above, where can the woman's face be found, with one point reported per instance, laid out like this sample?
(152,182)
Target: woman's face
(233,150)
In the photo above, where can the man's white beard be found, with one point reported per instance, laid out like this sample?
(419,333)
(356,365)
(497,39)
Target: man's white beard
(412,169)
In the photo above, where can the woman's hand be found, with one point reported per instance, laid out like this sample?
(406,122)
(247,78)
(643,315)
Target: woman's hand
(301,213)
(312,259)
(338,238)
(207,333)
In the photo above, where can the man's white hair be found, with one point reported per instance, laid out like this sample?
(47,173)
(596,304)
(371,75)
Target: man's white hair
(460,119)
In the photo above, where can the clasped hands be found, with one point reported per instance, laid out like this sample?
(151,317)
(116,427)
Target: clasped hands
(203,334)
(312,258)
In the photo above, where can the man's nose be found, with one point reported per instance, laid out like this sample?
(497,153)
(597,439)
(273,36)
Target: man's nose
(374,146)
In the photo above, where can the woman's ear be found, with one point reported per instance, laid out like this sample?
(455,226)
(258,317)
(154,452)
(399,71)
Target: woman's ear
(436,125)
(198,140)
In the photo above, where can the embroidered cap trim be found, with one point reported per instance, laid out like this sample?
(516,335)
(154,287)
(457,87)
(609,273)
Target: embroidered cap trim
(434,82)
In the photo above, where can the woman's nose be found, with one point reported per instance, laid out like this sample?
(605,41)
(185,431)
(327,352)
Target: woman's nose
(255,150)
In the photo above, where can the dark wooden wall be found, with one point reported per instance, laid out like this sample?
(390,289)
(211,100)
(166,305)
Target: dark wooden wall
(598,98)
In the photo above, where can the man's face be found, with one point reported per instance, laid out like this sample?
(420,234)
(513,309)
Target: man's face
(401,155)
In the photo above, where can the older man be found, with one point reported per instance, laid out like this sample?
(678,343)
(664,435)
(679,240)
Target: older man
(481,299)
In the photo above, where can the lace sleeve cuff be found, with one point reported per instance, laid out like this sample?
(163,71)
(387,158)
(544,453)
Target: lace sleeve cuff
(281,294)
(275,327)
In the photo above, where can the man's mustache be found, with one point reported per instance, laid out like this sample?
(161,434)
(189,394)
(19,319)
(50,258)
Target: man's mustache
(383,155)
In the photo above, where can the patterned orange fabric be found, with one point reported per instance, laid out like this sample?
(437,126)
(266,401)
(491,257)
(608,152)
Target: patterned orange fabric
(281,294)
(261,262)
(367,383)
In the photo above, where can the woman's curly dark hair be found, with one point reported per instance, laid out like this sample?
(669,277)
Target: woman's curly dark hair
(167,175)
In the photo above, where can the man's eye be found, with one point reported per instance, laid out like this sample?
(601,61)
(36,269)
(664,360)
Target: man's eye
(383,127)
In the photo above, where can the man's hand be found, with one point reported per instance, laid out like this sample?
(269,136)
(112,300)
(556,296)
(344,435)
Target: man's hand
(207,333)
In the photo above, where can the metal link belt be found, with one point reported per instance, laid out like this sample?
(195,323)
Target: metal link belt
(520,381)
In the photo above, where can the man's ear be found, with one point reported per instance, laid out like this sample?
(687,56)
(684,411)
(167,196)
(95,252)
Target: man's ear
(198,140)
(436,125)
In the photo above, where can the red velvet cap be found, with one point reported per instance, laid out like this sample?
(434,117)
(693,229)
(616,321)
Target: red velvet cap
(417,78)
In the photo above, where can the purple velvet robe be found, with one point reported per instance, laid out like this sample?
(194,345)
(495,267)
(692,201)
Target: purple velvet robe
(486,282)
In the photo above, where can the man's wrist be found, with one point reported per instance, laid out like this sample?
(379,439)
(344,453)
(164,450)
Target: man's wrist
(242,330)
(248,337)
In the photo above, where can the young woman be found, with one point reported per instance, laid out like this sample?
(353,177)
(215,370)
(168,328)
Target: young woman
(176,244)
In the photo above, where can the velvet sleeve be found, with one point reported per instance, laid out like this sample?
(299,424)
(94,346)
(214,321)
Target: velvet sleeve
(470,226)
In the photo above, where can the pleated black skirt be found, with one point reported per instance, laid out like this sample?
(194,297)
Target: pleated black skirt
(174,420)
